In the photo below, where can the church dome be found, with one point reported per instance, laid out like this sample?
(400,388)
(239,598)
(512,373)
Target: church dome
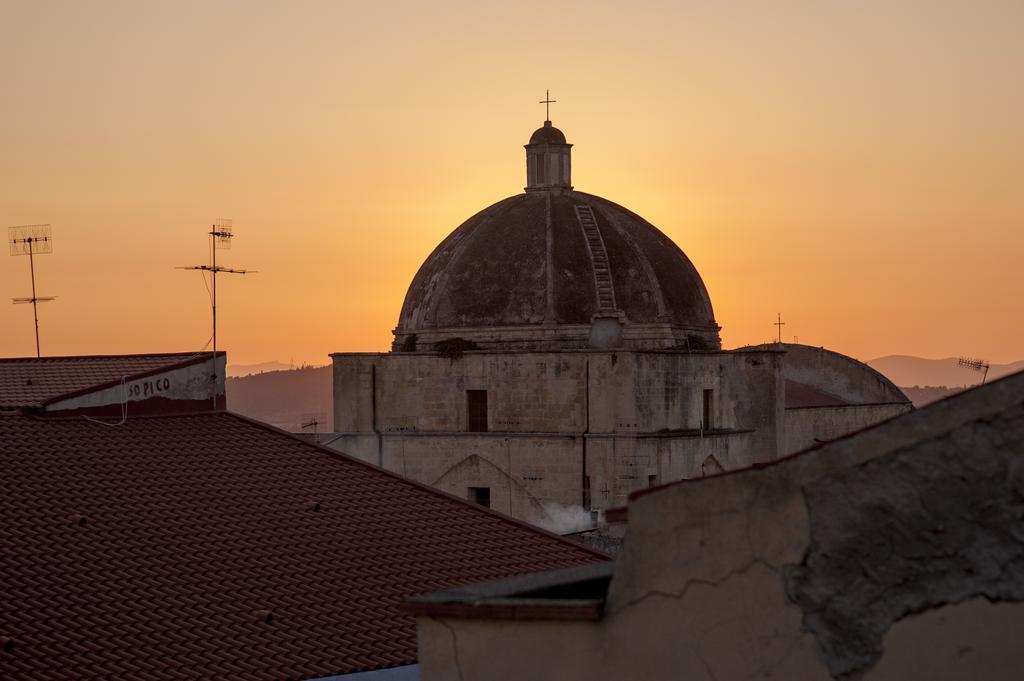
(548,134)
(555,269)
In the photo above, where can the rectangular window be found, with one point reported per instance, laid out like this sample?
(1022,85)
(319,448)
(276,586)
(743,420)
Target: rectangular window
(708,422)
(480,495)
(476,406)
(586,491)
(652,480)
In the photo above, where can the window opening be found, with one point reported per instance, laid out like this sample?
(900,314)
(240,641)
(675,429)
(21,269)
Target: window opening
(476,405)
(708,422)
(480,495)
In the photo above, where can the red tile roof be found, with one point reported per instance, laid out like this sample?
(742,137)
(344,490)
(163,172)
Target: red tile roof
(801,395)
(208,546)
(31,381)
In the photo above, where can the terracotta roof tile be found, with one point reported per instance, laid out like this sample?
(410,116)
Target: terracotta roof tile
(207,546)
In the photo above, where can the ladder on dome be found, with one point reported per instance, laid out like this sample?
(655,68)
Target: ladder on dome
(598,258)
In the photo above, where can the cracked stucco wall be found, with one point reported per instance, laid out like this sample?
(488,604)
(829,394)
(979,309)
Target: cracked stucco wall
(928,525)
(895,554)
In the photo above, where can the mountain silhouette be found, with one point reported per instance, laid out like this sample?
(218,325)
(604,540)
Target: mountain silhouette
(286,399)
(906,370)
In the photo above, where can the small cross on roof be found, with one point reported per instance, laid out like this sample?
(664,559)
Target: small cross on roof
(547,102)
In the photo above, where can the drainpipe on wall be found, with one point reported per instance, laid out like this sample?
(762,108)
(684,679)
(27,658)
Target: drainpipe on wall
(373,412)
(584,488)
(508,459)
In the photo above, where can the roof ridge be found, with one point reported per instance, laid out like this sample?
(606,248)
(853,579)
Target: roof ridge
(66,358)
(198,358)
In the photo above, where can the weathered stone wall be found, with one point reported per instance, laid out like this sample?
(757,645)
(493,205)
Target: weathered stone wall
(837,374)
(556,392)
(368,448)
(354,378)
(625,420)
(523,472)
(808,426)
(621,465)
(419,392)
(548,468)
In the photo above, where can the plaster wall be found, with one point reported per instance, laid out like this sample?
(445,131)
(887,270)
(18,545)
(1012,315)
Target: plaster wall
(500,650)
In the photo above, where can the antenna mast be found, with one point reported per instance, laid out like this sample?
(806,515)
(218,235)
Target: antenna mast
(31,240)
(220,238)
(312,422)
(975,365)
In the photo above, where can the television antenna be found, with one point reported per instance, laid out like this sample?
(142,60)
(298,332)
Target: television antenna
(220,239)
(312,422)
(31,240)
(975,365)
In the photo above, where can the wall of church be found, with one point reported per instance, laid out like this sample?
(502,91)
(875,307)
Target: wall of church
(564,428)
(525,474)
(838,375)
(421,392)
(620,465)
(560,392)
(807,426)
(367,448)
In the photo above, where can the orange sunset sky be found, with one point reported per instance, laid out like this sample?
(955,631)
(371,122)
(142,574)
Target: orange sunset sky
(856,166)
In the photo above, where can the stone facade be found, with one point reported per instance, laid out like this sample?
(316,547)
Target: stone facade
(567,428)
(861,396)
(581,429)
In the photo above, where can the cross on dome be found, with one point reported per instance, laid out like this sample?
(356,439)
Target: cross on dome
(547,102)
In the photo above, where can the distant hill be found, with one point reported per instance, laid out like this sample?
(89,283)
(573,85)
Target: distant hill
(904,370)
(248,369)
(286,398)
(922,395)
